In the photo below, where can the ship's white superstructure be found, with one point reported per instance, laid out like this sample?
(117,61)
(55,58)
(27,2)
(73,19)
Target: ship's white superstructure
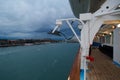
(106,13)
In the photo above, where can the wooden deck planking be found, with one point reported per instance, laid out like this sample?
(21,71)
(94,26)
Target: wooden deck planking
(102,68)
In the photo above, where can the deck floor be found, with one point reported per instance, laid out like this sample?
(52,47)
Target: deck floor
(102,68)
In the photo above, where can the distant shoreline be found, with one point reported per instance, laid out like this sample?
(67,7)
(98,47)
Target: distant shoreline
(25,42)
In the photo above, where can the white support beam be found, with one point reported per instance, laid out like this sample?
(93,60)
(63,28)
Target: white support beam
(55,28)
(73,31)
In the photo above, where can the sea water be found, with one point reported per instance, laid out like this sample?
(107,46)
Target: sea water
(37,62)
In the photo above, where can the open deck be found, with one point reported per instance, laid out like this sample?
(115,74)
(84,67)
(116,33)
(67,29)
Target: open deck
(102,68)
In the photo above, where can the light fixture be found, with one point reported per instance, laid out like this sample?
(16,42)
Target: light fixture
(118,25)
(113,27)
(110,33)
(119,5)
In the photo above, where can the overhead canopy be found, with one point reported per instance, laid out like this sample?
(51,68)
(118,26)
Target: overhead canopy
(85,6)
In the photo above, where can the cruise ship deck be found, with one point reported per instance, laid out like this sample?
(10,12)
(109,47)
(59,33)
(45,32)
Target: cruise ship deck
(97,23)
(102,68)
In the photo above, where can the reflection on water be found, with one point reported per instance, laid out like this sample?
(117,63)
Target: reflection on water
(38,62)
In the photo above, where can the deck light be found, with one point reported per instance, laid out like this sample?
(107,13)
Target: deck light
(119,5)
(110,33)
(113,27)
(118,25)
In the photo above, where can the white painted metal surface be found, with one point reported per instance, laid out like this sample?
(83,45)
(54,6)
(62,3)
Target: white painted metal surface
(116,52)
(85,16)
(106,12)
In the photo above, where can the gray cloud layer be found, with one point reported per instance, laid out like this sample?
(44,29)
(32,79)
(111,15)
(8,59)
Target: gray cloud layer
(19,17)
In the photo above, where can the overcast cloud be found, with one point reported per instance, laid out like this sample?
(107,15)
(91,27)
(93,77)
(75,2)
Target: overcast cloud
(26,17)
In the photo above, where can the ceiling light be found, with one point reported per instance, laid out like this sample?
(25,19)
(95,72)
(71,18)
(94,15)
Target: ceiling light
(118,25)
(110,33)
(113,27)
(119,5)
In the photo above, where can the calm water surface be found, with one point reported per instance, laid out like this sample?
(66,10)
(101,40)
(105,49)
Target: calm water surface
(38,62)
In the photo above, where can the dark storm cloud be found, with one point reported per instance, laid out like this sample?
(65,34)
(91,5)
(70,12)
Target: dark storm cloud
(24,17)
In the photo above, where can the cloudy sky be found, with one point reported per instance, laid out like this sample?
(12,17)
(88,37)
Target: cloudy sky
(31,18)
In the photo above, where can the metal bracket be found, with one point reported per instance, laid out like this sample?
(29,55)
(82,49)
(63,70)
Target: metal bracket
(59,23)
